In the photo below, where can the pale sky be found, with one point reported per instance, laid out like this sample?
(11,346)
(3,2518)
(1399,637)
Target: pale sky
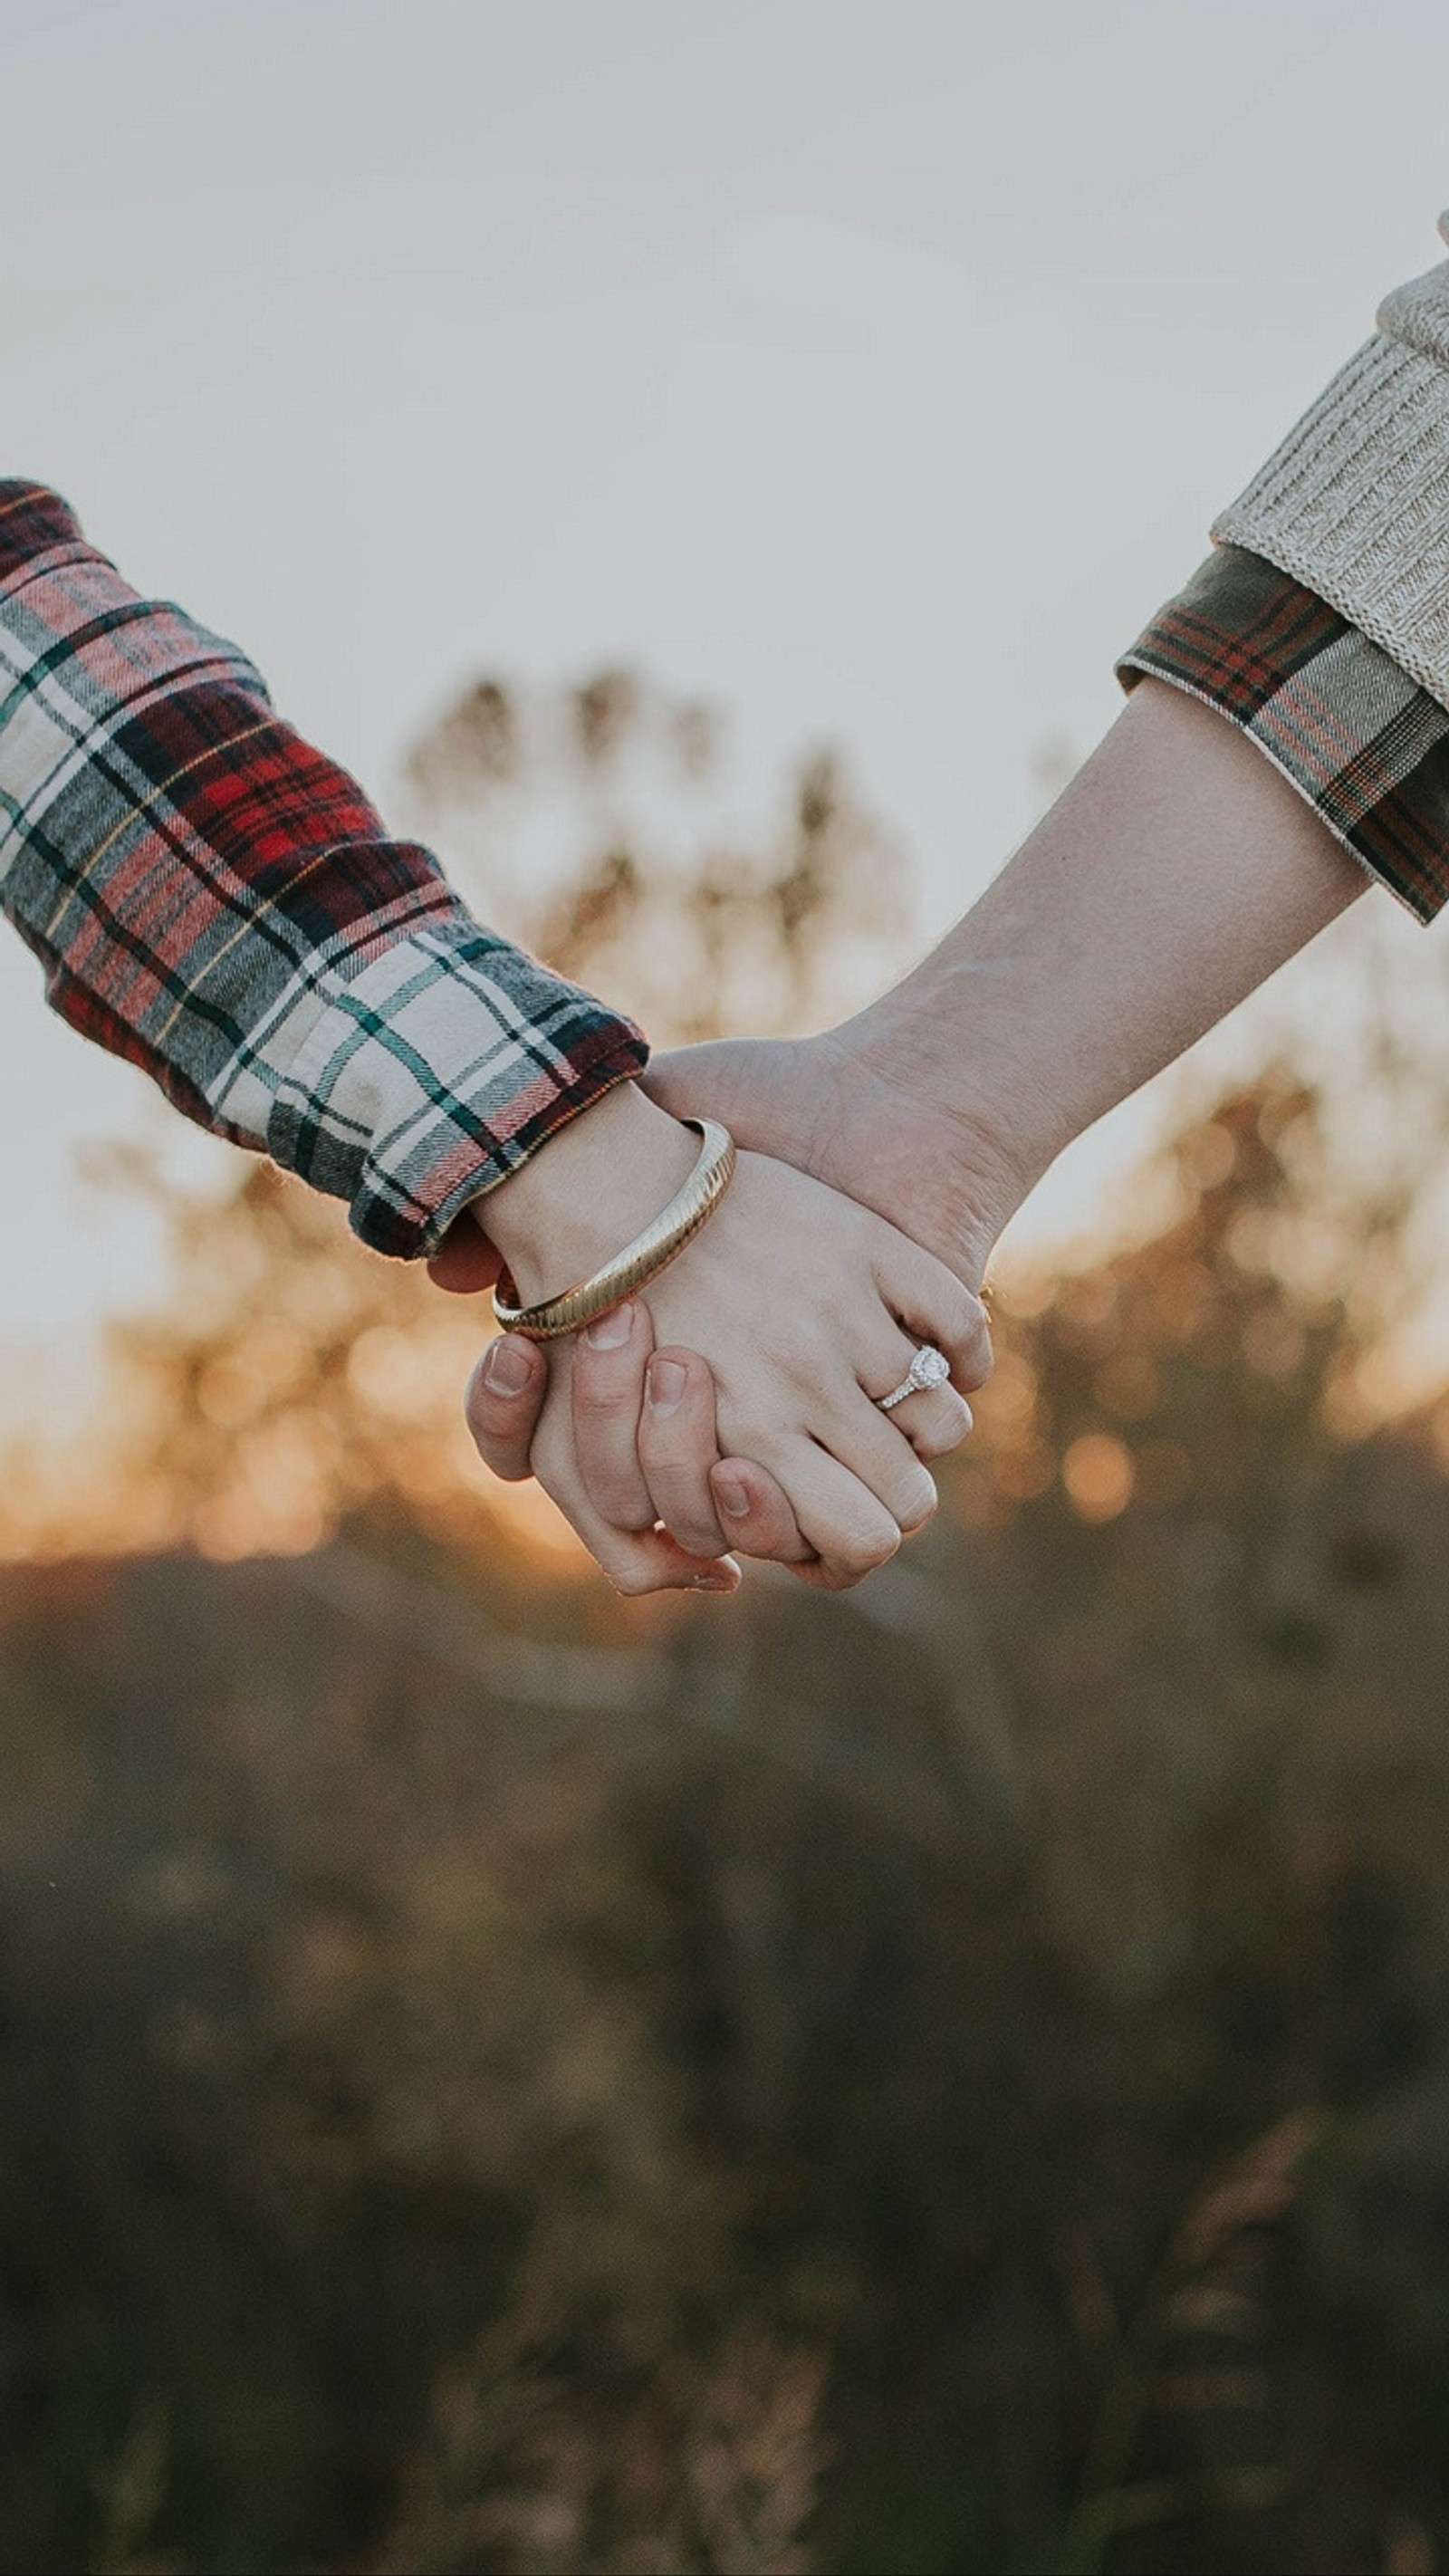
(874,370)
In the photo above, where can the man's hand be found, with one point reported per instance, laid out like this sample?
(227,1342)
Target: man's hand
(811,1104)
(609,1380)
(1176,872)
(616,1416)
(837,1106)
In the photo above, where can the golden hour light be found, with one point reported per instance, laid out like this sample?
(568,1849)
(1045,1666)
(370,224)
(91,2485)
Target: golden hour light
(1099,1475)
(698,670)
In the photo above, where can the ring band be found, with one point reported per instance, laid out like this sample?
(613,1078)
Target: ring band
(641,1260)
(929,1368)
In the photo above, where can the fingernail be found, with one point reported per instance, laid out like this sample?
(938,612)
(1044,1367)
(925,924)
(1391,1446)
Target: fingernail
(667,1382)
(507,1370)
(733,1497)
(610,1332)
(711,1583)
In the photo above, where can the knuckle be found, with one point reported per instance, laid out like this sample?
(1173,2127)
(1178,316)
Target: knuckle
(599,1399)
(962,1321)
(766,1528)
(704,1543)
(947,1427)
(917,1504)
(624,1511)
(829,1573)
(934,1444)
(980,1357)
(676,1459)
(865,1551)
(696,1538)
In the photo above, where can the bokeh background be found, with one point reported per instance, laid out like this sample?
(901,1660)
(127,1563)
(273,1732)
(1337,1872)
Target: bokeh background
(496,2079)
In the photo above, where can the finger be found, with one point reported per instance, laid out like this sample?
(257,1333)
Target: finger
(755,1511)
(465,1260)
(850,1530)
(642,1561)
(694,1490)
(933,1305)
(635,1561)
(609,1361)
(935,1420)
(504,1399)
(851,1428)
(867,1442)
(678,1446)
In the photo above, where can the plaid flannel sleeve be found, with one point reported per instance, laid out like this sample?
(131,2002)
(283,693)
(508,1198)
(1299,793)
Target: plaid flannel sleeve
(213,899)
(1361,740)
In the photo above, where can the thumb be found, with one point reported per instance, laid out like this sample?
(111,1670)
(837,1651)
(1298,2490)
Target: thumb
(503,1403)
(750,1083)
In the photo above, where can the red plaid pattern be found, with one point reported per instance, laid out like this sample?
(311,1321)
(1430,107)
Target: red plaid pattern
(1354,733)
(213,898)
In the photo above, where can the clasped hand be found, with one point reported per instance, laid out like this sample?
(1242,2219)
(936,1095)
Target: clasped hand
(732,1406)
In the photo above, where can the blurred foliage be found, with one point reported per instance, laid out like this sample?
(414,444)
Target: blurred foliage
(602,825)
(953,2077)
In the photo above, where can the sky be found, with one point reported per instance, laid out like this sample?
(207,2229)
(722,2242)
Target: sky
(874,370)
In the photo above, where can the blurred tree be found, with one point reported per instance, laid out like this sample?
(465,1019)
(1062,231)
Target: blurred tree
(943,2079)
(601,826)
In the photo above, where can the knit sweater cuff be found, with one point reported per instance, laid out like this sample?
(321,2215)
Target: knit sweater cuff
(1355,502)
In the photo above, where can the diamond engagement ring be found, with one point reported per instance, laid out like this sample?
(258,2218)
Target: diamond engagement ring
(929,1368)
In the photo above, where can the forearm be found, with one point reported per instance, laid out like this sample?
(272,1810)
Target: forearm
(216,900)
(1176,873)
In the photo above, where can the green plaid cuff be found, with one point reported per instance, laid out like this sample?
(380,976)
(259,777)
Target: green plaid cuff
(1352,732)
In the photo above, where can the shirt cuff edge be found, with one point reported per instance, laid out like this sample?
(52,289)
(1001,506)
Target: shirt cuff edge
(1142,667)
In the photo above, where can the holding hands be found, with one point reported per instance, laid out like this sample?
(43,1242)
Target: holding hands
(807,1309)
(1178,869)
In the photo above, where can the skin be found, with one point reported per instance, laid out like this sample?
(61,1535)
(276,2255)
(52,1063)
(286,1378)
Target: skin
(806,1304)
(1174,875)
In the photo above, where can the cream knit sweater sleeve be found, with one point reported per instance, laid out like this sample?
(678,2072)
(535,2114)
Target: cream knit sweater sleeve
(1355,502)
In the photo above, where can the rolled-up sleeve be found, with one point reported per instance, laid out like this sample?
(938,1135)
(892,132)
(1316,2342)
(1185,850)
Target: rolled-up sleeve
(215,900)
(1320,626)
(1340,718)
(1354,501)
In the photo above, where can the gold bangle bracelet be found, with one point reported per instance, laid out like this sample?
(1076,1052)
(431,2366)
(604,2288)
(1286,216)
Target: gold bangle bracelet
(641,1260)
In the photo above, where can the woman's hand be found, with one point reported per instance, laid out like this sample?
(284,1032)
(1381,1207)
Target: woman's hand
(807,1309)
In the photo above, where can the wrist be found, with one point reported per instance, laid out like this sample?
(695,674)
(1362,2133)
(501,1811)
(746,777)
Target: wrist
(988,1129)
(597,1183)
(1173,875)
